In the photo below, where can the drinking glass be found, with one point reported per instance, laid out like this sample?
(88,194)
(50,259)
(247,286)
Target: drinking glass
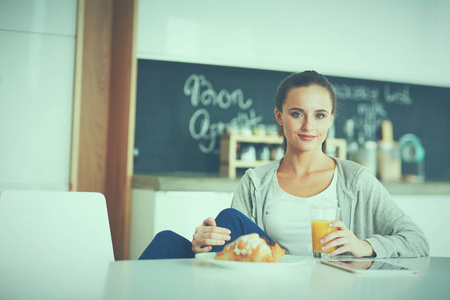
(321,216)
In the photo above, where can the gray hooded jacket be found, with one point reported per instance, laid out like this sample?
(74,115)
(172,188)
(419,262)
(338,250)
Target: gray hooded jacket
(366,208)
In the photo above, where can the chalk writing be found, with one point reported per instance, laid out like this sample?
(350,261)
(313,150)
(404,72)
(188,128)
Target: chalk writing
(368,117)
(398,96)
(202,92)
(370,111)
(356,92)
(364,93)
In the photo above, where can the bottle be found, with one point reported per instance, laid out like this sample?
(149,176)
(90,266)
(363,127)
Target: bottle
(352,145)
(331,148)
(413,158)
(367,155)
(389,162)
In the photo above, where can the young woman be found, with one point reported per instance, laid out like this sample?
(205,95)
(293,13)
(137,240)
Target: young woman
(273,200)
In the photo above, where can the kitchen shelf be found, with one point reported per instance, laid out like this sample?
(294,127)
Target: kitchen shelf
(228,152)
(340,148)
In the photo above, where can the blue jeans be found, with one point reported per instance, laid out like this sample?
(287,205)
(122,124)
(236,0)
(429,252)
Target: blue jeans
(168,244)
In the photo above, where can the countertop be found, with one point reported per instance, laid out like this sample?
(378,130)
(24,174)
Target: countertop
(223,184)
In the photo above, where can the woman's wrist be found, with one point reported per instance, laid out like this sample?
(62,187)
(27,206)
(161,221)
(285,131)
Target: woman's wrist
(368,249)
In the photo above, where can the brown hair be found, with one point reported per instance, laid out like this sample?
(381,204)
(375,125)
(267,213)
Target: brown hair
(303,79)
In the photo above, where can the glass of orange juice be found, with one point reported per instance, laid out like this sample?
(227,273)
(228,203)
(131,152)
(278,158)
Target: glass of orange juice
(321,216)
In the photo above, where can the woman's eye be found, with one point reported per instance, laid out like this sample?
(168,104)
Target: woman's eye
(320,116)
(296,114)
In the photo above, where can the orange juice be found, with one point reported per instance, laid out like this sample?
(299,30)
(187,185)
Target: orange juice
(319,229)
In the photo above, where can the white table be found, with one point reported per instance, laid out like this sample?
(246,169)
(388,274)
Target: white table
(191,279)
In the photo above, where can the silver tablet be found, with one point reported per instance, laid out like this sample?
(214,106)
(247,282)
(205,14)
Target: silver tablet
(368,267)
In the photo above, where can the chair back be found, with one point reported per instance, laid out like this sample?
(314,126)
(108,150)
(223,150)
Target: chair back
(54,226)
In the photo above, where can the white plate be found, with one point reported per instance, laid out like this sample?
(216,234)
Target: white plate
(285,261)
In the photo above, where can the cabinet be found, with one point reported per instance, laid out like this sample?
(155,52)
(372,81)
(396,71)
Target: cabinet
(229,145)
(228,152)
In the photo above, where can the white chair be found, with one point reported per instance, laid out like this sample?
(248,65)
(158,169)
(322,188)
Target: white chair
(54,226)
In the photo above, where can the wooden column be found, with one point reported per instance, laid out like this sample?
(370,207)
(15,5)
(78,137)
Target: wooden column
(122,112)
(104,108)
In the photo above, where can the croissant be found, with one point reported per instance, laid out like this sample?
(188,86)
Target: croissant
(251,248)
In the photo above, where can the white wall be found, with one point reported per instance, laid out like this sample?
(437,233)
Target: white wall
(430,213)
(37,52)
(405,41)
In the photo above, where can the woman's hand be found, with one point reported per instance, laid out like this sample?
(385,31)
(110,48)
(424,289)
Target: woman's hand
(208,235)
(346,241)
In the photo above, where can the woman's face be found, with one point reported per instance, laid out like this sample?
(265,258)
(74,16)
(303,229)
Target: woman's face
(306,117)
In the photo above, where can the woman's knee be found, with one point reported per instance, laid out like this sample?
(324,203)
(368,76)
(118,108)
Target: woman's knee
(165,234)
(168,244)
(230,215)
(169,239)
(230,212)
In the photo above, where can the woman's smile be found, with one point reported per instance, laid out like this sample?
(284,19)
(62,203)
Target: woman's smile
(307,137)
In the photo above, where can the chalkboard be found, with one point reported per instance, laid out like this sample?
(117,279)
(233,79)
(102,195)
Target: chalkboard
(183,108)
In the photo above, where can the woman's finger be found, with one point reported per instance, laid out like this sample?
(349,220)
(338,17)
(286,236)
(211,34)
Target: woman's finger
(338,251)
(214,233)
(333,235)
(201,249)
(201,231)
(214,229)
(211,242)
(205,245)
(209,222)
(199,238)
(334,243)
(215,236)
(338,224)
